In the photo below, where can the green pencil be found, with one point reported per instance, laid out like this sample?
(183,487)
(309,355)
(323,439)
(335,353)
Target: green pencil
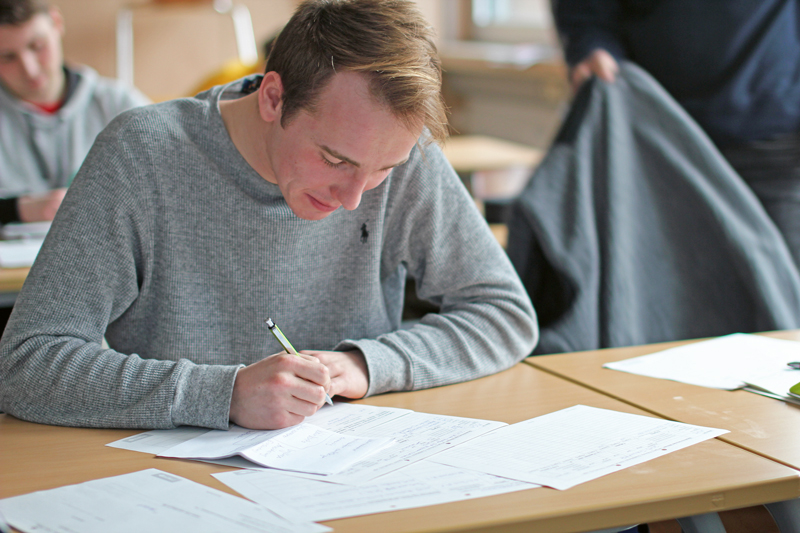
(273,327)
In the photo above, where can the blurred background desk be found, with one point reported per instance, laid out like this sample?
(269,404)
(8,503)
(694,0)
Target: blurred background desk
(494,171)
(11,280)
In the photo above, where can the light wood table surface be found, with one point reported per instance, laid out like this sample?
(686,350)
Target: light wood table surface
(472,153)
(762,425)
(709,476)
(11,279)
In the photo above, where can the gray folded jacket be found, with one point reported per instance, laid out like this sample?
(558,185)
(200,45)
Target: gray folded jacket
(634,229)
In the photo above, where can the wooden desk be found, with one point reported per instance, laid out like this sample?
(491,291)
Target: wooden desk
(11,280)
(472,153)
(698,479)
(762,425)
(493,170)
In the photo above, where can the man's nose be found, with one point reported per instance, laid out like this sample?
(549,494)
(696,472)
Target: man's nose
(30,64)
(349,193)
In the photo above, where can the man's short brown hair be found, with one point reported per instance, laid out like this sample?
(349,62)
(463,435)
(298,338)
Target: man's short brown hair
(16,12)
(387,40)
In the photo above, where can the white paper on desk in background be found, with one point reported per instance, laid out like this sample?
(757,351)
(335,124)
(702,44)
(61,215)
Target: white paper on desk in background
(420,484)
(149,500)
(778,382)
(25,230)
(303,448)
(19,253)
(574,445)
(722,363)
(417,436)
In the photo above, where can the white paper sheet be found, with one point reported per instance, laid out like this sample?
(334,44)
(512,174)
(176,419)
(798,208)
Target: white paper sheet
(417,435)
(722,363)
(420,484)
(302,448)
(572,446)
(149,500)
(158,440)
(25,230)
(19,253)
(777,383)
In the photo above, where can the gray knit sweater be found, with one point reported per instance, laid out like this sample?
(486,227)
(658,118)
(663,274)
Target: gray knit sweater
(174,248)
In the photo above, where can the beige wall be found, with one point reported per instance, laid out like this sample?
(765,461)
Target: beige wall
(174,52)
(177,48)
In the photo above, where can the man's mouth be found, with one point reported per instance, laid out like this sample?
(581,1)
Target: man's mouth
(321,206)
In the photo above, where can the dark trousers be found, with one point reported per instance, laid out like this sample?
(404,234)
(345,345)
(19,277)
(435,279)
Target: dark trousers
(772,170)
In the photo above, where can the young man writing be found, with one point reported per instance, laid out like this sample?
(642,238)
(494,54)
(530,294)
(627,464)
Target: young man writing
(307,195)
(50,113)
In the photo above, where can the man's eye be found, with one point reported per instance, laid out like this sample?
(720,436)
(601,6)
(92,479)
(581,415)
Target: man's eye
(333,164)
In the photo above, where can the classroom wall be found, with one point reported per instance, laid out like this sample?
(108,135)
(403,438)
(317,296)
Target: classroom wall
(178,47)
(175,51)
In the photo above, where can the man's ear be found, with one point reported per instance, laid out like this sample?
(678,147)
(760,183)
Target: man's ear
(270,97)
(57,18)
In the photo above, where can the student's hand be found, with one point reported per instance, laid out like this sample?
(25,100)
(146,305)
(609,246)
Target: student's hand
(348,370)
(40,207)
(279,391)
(599,63)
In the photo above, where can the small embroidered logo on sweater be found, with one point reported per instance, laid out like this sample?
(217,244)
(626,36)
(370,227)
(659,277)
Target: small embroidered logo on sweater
(364,233)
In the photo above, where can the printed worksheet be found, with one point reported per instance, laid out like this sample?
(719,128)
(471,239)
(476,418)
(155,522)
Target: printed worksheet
(149,500)
(158,440)
(416,436)
(722,363)
(572,446)
(420,484)
(302,448)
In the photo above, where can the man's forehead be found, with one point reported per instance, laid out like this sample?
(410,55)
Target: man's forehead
(39,25)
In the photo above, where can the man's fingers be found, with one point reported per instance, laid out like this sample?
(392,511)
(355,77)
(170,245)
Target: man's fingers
(314,371)
(599,63)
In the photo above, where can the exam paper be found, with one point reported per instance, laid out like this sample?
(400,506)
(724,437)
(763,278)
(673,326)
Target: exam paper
(420,484)
(149,500)
(417,436)
(572,446)
(723,363)
(158,440)
(303,448)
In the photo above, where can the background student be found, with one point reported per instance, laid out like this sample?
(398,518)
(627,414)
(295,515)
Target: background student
(50,113)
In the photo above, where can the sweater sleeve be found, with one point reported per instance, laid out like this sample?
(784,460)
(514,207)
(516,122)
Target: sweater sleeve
(435,234)
(585,25)
(95,259)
